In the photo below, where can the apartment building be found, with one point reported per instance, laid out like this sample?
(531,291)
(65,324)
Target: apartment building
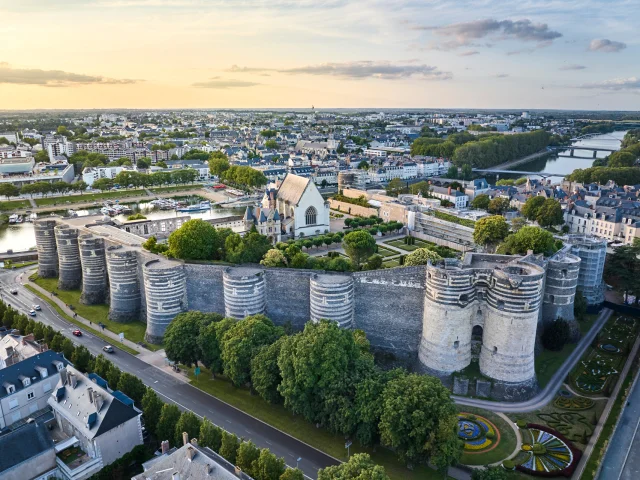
(26,386)
(458,198)
(16,348)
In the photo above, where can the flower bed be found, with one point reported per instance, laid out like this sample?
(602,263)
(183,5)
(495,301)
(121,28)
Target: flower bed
(478,433)
(549,454)
(573,403)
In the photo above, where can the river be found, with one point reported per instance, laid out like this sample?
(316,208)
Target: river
(565,165)
(20,237)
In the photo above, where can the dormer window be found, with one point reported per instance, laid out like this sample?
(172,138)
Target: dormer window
(26,382)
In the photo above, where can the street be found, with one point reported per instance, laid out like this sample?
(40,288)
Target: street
(172,390)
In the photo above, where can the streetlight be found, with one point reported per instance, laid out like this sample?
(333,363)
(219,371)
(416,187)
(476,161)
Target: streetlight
(347,445)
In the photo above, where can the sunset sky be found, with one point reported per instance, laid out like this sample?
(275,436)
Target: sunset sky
(569,54)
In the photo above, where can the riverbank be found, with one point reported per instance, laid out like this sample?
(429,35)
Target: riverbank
(520,161)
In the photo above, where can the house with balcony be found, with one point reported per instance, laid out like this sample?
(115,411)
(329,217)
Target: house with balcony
(25,386)
(92,427)
(28,452)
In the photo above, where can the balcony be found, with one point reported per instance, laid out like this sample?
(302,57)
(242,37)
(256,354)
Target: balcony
(73,462)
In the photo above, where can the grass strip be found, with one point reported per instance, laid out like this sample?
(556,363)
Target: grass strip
(176,188)
(90,197)
(14,205)
(11,266)
(70,319)
(296,426)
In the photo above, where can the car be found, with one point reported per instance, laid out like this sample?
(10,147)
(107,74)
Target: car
(32,313)
(36,307)
(108,349)
(77,333)
(14,291)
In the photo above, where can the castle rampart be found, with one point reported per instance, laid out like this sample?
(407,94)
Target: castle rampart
(122,265)
(46,247)
(69,267)
(94,270)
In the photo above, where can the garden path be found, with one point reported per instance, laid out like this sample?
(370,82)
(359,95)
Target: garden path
(518,438)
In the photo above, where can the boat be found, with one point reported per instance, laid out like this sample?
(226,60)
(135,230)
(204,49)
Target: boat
(72,213)
(13,218)
(107,211)
(33,217)
(20,219)
(199,207)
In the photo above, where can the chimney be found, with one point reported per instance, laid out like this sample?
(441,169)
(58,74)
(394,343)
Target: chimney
(175,476)
(449,191)
(97,398)
(208,468)
(194,442)
(63,376)
(185,438)
(90,392)
(191,453)
(164,446)
(9,351)
(73,380)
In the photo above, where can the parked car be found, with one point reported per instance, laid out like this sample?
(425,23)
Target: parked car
(77,333)
(32,313)
(108,349)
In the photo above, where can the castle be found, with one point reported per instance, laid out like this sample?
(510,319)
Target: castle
(485,307)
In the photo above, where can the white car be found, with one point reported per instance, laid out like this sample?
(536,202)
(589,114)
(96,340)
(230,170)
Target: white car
(36,307)
(32,313)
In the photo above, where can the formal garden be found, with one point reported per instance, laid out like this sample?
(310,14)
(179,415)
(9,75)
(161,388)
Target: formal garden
(488,438)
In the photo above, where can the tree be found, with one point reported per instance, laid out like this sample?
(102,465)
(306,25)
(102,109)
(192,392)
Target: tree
(528,238)
(374,262)
(272,144)
(210,435)
(143,163)
(56,343)
(181,336)
(151,410)
(421,256)
(229,447)
(268,466)
(42,156)
(579,306)
(452,172)
(247,458)
(621,159)
(423,188)
(363,165)
(189,423)
(359,246)
(218,163)
(265,373)
(81,357)
(103,184)
(550,213)
(196,240)
(113,375)
(299,260)
(292,474)
(359,466)
(491,473)
(517,223)
(100,366)
(395,186)
(623,268)
(132,386)
(241,343)
(556,335)
(466,171)
(531,207)
(419,420)
(166,427)
(209,342)
(481,202)
(498,205)
(9,190)
(490,230)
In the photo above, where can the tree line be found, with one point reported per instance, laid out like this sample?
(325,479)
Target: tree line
(327,375)
(137,179)
(42,188)
(163,420)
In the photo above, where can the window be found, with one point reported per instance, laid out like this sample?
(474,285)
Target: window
(30,395)
(311,216)
(456,344)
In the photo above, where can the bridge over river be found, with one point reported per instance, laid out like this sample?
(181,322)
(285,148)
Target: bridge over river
(497,172)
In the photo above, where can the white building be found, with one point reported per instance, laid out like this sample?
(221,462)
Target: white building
(91,174)
(302,210)
(459,199)
(432,169)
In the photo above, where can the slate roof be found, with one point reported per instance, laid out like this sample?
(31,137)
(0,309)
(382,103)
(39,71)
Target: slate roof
(76,407)
(292,188)
(23,444)
(27,368)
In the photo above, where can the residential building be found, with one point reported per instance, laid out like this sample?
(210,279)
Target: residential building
(266,221)
(16,348)
(28,453)
(459,199)
(91,174)
(26,386)
(12,137)
(89,417)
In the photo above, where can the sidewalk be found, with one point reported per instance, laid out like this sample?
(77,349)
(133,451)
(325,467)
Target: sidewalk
(156,359)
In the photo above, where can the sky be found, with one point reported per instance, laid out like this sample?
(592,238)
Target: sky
(529,54)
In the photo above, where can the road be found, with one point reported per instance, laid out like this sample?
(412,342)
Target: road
(622,461)
(549,391)
(174,391)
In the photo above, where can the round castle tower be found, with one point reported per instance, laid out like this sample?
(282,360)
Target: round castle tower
(448,316)
(166,294)
(244,292)
(94,270)
(560,286)
(514,298)
(332,298)
(46,247)
(70,269)
(124,291)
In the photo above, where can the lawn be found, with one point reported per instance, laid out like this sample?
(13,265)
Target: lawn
(507,439)
(399,243)
(391,263)
(133,331)
(385,252)
(176,188)
(14,205)
(8,265)
(90,197)
(69,319)
(298,427)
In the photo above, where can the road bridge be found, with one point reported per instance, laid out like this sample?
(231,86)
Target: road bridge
(518,172)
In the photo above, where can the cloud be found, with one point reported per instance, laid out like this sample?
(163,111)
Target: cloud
(521,51)
(616,84)
(501,75)
(572,67)
(54,78)
(468,53)
(222,84)
(359,70)
(605,45)
(466,33)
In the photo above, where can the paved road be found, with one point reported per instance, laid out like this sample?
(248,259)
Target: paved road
(622,461)
(546,394)
(172,390)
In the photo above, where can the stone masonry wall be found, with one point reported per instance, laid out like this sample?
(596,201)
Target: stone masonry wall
(288,296)
(205,287)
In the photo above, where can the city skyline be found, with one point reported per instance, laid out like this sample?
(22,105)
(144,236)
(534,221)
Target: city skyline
(331,54)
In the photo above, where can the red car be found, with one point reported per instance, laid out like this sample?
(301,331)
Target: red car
(77,333)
